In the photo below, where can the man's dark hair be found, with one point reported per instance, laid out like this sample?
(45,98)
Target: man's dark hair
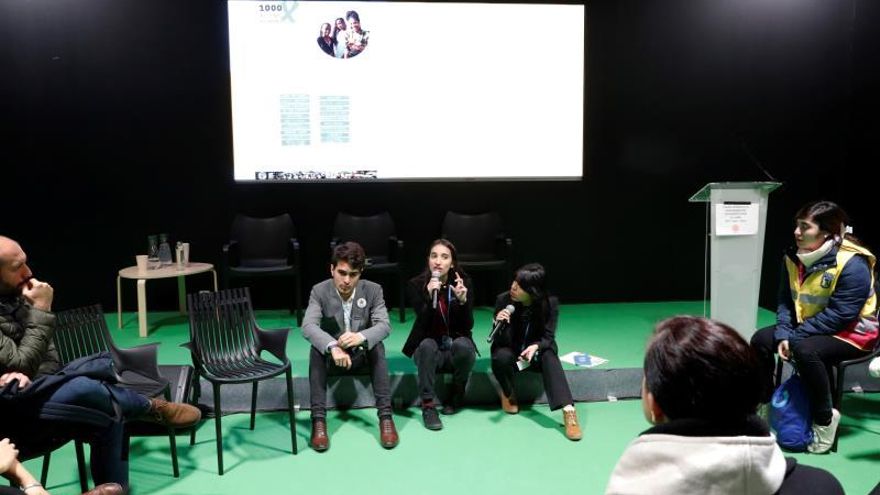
(700,368)
(351,253)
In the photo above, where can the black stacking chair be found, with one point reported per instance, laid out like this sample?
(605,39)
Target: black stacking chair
(226,342)
(376,234)
(481,244)
(263,247)
(83,331)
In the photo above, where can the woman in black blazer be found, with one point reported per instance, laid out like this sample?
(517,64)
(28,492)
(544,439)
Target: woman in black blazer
(528,342)
(440,338)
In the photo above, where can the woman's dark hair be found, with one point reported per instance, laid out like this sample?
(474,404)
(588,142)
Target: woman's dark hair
(351,253)
(700,368)
(351,14)
(453,269)
(828,216)
(532,278)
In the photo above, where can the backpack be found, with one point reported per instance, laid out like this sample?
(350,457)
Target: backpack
(790,416)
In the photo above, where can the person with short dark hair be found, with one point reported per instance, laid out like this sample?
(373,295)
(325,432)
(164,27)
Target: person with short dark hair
(700,390)
(826,311)
(441,337)
(528,341)
(346,322)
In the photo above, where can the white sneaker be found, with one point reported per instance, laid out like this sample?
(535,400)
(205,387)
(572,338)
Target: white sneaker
(823,436)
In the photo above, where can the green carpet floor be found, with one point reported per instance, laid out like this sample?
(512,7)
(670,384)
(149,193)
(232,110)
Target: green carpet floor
(481,451)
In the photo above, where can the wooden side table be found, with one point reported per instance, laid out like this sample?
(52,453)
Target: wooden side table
(133,273)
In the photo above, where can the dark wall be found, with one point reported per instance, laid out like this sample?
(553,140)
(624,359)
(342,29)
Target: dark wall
(117,124)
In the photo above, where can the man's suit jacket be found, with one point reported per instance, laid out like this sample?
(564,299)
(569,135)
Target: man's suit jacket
(323,322)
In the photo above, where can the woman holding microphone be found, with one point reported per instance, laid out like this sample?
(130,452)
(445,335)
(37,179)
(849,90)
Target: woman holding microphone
(525,319)
(440,339)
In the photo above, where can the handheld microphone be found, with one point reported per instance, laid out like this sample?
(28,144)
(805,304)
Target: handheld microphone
(500,324)
(434,292)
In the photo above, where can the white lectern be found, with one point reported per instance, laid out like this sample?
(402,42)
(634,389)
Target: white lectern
(737,217)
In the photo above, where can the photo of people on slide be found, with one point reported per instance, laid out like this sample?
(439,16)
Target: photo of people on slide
(344,38)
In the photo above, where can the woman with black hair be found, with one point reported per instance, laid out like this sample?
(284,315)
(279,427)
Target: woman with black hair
(528,341)
(440,339)
(700,391)
(826,311)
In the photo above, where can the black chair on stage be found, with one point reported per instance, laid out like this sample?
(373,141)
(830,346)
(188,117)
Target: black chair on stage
(264,247)
(480,242)
(226,343)
(376,234)
(83,331)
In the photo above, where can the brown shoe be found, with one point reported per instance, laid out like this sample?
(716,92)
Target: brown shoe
(509,404)
(388,433)
(106,489)
(320,440)
(174,414)
(572,430)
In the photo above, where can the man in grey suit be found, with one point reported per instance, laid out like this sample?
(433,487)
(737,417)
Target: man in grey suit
(346,322)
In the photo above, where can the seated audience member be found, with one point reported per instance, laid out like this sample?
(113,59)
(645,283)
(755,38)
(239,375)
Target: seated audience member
(346,322)
(700,390)
(528,341)
(32,391)
(825,313)
(440,338)
(15,472)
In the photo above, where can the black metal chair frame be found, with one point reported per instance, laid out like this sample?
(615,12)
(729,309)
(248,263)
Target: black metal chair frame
(231,261)
(348,227)
(501,259)
(83,331)
(225,343)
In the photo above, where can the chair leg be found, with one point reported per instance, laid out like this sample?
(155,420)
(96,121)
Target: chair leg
(217,426)
(290,409)
(298,295)
(172,444)
(44,473)
(254,404)
(402,298)
(196,388)
(81,467)
(837,399)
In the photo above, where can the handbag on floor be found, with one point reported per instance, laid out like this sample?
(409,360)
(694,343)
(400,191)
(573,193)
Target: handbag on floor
(790,417)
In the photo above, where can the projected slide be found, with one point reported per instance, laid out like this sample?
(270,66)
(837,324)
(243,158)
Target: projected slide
(363,91)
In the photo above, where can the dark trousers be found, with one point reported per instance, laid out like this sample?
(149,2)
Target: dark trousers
(431,359)
(107,460)
(547,363)
(372,361)
(813,357)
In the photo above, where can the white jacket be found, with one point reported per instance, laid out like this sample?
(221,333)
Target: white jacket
(660,464)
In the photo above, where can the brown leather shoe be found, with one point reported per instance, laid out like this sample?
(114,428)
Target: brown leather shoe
(106,489)
(388,433)
(320,440)
(572,429)
(509,404)
(174,414)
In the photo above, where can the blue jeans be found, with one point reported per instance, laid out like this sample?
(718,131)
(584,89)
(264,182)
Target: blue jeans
(107,461)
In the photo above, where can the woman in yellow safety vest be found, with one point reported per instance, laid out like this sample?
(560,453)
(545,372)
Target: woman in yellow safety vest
(826,312)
